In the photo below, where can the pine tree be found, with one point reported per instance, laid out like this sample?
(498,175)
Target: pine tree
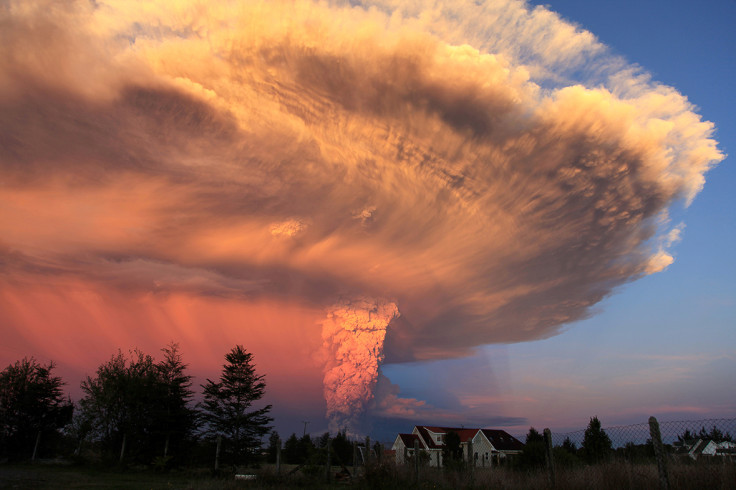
(452,452)
(177,418)
(597,446)
(342,448)
(228,410)
(291,450)
(274,444)
(532,456)
(569,446)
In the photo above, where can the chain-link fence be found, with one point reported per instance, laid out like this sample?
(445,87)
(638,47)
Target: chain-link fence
(678,455)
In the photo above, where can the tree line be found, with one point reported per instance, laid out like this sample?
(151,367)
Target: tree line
(135,409)
(306,450)
(597,447)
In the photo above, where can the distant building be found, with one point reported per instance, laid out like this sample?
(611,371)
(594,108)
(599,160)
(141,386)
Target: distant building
(709,447)
(490,447)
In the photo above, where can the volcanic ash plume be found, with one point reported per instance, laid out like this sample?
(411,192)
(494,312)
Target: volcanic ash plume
(353,335)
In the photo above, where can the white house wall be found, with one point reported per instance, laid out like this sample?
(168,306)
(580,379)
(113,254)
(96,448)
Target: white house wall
(484,449)
(399,448)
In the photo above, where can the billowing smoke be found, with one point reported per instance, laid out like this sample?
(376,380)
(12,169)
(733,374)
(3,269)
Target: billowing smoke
(487,166)
(353,335)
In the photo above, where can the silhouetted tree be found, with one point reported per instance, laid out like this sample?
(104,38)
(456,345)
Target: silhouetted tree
(637,453)
(569,446)
(79,429)
(291,450)
(31,404)
(533,454)
(534,436)
(687,437)
(123,404)
(452,452)
(343,448)
(177,419)
(715,435)
(227,408)
(306,448)
(274,444)
(323,440)
(597,445)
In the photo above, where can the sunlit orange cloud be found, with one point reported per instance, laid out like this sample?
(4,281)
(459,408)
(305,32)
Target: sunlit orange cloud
(248,157)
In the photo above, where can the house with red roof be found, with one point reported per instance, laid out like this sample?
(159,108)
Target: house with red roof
(490,447)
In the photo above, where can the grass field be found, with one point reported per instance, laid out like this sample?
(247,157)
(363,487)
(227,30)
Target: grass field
(41,476)
(604,476)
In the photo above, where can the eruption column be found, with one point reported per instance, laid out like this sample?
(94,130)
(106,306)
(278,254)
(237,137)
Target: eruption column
(353,335)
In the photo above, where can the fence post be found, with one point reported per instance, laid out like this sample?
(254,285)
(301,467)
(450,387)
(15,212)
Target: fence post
(659,453)
(329,461)
(471,462)
(416,461)
(278,457)
(549,457)
(122,448)
(355,458)
(35,448)
(217,453)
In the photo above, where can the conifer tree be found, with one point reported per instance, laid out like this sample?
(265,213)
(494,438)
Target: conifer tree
(178,418)
(597,446)
(228,407)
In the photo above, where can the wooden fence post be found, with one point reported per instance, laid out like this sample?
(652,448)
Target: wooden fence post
(122,448)
(549,457)
(35,447)
(217,453)
(471,463)
(278,457)
(659,453)
(329,461)
(355,458)
(416,461)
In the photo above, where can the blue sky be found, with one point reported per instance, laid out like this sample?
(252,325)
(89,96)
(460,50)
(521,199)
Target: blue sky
(664,345)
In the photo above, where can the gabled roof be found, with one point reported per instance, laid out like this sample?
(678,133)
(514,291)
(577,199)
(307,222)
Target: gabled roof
(698,447)
(408,440)
(428,441)
(465,434)
(502,440)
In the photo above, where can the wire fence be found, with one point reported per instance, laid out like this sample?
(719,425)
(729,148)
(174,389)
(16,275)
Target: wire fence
(669,455)
(671,432)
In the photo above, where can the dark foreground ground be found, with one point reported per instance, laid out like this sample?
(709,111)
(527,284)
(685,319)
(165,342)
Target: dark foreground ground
(68,476)
(604,477)
(52,476)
